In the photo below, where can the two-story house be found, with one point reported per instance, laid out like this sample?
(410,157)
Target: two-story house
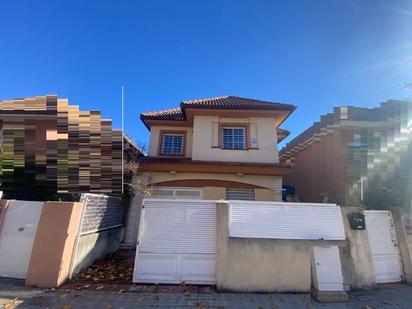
(216,148)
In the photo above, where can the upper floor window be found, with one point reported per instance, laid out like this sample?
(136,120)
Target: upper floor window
(172,144)
(233,138)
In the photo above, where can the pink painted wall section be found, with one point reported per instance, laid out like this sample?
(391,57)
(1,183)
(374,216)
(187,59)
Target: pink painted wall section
(54,244)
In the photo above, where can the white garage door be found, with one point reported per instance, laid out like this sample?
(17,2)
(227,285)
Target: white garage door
(383,244)
(17,238)
(177,242)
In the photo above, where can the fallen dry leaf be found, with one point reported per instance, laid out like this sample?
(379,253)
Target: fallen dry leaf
(63,296)
(12,303)
(66,307)
(117,267)
(121,291)
(99,287)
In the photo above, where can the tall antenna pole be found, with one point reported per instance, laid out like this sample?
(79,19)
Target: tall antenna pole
(122,139)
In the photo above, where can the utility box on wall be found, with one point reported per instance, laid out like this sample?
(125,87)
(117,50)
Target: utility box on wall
(327,269)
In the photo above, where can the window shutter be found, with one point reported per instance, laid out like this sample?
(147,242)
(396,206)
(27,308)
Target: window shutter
(240,194)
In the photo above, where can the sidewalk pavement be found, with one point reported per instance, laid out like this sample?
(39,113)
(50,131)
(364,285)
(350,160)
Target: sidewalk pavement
(13,294)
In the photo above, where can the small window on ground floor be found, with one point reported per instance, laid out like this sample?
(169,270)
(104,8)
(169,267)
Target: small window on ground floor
(178,193)
(240,194)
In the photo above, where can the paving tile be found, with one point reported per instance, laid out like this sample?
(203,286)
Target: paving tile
(161,297)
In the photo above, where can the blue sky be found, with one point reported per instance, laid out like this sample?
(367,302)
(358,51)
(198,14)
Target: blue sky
(314,54)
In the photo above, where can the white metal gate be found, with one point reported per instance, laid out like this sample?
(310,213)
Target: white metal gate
(17,237)
(177,242)
(384,246)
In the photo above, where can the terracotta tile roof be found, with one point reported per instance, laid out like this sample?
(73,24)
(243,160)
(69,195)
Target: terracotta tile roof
(236,102)
(167,114)
(282,134)
(226,102)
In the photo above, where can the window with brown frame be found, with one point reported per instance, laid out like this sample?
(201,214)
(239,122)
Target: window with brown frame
(172,143)
(233,137)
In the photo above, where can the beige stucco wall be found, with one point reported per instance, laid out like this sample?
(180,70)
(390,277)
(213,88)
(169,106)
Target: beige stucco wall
(356,255)
(270,182)
(267,195)
(260,265)
(214,193)
(206,134)
(155,138)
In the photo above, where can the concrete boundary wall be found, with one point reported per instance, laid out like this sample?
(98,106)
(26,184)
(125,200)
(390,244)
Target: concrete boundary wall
(403,242)
(100,232)
(245,263)
(260,265)
(356,256)
(132,220)
(94,246)
(357,263)
(60,249)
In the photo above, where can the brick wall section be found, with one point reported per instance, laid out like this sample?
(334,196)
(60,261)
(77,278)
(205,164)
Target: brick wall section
(102,212)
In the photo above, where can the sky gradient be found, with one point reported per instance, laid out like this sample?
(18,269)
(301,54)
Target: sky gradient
(314,54)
